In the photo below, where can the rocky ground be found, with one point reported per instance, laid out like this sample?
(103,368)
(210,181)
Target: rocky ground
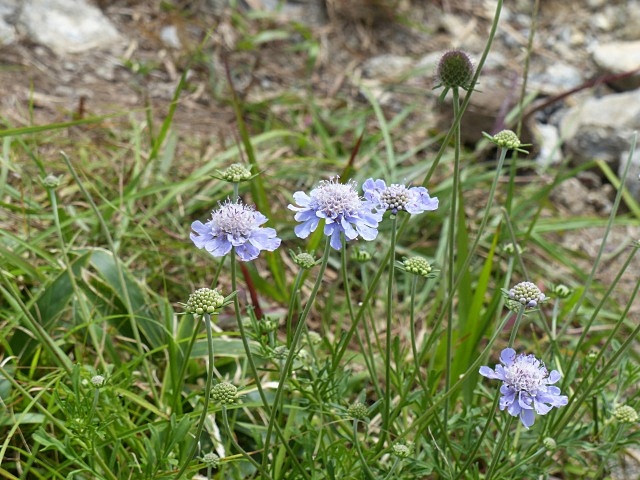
(66,59)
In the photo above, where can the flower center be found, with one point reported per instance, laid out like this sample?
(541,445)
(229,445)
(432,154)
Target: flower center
(334,198)
(394,197)
(526,373)
(235,219)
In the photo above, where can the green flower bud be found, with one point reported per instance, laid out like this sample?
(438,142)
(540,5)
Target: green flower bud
(591,356)
(360,255)
(358,410)
(281,352)
(549,443)
(625,414)
(455,70)
(51,181)
(204,301)
(561,291)
(211,460)
(527,294)
(236,173)
(506,139)
(224,393)
(304,260)
(510,249)
(401,450)
(267,326)
(417,266)
(313,337)
(98,381)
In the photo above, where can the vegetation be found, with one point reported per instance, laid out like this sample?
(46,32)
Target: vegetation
(306,361)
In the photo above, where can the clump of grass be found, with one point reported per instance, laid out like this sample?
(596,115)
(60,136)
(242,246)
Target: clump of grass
(360,355)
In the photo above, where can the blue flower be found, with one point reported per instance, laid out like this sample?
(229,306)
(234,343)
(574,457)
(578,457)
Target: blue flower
(525,386)
(342,210)
(398,197)
(235,225)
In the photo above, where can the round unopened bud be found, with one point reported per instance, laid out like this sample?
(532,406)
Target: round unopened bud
(51,181)
(224,393)
(236,173)
(267,326)
(304,260)
(360,255)
(358,410)
(401,450)
(417,266)
(510,249)
(211,460)
(204,301)
(549,443)
(98,381)
(625,414)
(455,70)
(313,337)
(506,139)
(281,352)
(527,294)
(561,291)
(592,356)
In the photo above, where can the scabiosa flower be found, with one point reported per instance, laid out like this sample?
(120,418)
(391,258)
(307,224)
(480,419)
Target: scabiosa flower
(342,209)
(526,386)
(235,225)
(527,294)
(397,196)
(507,139)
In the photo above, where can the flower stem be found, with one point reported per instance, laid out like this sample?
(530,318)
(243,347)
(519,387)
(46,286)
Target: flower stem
(236,445)
(386,412)
(292,349)
(451,243)
(496,455)
(206,318)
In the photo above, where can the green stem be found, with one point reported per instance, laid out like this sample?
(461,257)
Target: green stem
(363,461)
(451,242)
(496,455)
(236,445)
(292,349)
(386,412)
(206,318)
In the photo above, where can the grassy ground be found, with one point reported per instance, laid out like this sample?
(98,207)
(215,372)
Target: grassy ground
(354,368)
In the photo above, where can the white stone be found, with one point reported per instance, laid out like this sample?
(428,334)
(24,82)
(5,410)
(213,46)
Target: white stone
(67,26)
(619,57)
(602,127)
(169,36)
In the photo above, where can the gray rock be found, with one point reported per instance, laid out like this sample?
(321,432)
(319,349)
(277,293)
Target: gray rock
(67,26)
(619,57)
(557,78)
(546,139)
(601,127)
(169,36)
(633,176)
(8,9)
(387,68)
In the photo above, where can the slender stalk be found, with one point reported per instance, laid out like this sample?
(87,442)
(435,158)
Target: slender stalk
(496,454)
(386,412)
(451,243)
(363,460)
(236,445)
(206,318)
(292,349)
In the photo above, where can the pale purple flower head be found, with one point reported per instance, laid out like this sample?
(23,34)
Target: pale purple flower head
(398,196)
(526,386)
(235,225)
(341,208)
